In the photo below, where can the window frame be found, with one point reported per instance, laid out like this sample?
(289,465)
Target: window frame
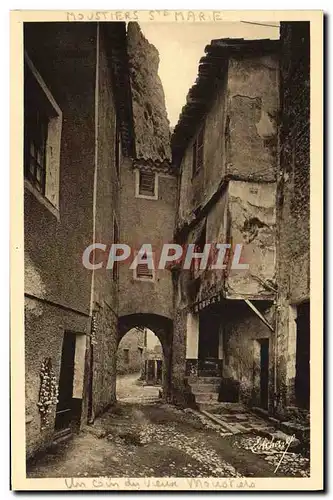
(198,149)
(137,185)
(49,196)
(143,278)
(36,140)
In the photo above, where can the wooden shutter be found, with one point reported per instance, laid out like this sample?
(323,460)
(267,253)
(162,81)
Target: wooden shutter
(142,271)
(147,183)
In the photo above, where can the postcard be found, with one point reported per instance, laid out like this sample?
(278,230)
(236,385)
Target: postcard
(166,250)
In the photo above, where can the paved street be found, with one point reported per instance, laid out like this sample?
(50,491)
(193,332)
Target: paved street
(131,390)
(145,437)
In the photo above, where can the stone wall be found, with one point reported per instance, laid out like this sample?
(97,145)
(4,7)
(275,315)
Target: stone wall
(196,191)
(105,294)
(105,346)
(134,342)
(54,248)
(252,112)
(244,214)
(242,332)
(240,138)
(252,223)
(294,182)
(146,221)
(108,180)
(180,390)
(57,286)
(45,327)
(293,207)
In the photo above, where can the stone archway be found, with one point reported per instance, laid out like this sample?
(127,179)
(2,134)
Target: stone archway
(163,329)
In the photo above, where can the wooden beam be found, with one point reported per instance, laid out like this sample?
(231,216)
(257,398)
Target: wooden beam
(258,313)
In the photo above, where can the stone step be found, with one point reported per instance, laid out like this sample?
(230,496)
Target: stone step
(204,388)
(204,380)
(205,397)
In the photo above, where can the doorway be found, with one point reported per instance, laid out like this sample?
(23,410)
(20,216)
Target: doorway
(302,379)
(65,405)
(208,349)
(264,372)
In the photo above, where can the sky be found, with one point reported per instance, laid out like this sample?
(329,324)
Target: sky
(182,45)
(152,340)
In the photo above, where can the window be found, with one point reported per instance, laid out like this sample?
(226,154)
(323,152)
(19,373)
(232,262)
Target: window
(115,269)
(146,185)
(42,133)
(142,271)
(198,152)
(36,125)
(126,356)
(117,147)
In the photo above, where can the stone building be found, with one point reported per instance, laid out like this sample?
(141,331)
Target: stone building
(74,133)
(225,148)
(241,148)
(293,216)
(97,167)
(132,351)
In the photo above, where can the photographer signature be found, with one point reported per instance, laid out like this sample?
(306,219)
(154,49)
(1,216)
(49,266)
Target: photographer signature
(278,445)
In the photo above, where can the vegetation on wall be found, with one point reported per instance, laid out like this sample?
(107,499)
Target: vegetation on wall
(48,393)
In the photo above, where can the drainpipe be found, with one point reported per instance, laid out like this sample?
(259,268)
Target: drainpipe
(95,166)
(90,345)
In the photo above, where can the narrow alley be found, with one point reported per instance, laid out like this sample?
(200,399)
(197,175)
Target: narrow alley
(167,300)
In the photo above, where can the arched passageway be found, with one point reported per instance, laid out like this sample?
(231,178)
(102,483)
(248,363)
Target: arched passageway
(139,367)
(162,328)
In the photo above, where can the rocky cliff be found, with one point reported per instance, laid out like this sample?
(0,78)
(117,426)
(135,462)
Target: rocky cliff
(151,124)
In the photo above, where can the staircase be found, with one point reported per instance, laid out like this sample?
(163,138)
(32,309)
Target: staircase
(205,389)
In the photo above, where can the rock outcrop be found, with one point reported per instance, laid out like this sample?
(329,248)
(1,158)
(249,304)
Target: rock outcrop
(151,124)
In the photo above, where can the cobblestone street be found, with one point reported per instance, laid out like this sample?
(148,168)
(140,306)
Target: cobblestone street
(131,390)
(144,437)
